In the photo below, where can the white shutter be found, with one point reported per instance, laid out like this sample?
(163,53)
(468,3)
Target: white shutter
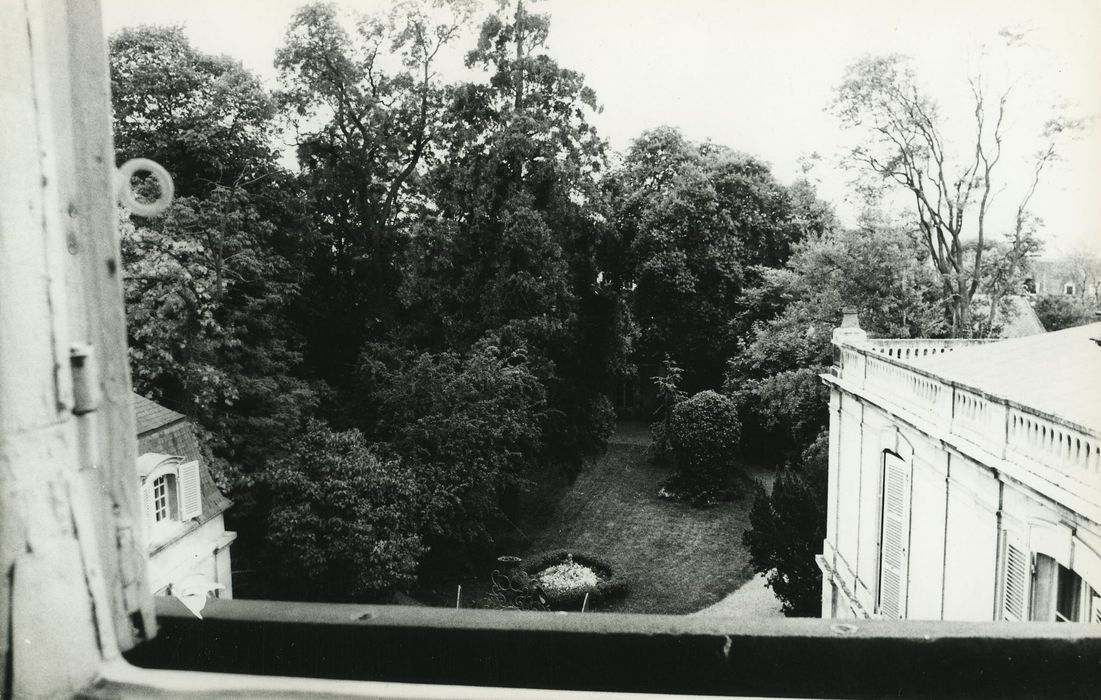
(1016,579)
(1095,609)
(895,537)
(147,505)
(190,493)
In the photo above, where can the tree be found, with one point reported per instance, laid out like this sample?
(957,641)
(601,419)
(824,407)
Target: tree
(876,268)
(1004,275)
(207,285)
(204,117)
(206,298)
(210,284)
(905,144)
(344,522)
(466,424)
(788,527)
(1057,311)
(693,221)
(508,241)
(366,108)
(703,433)
(668,396)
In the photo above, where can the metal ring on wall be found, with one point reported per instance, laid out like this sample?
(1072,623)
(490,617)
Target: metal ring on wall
(126,194)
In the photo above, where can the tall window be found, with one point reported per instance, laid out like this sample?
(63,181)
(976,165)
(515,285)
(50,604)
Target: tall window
(165,498)
(894,540)
(160,498)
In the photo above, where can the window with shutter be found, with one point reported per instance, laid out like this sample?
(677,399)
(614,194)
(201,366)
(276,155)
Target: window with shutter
(1095,609)
(191,501)
(894,537)
(1016,579)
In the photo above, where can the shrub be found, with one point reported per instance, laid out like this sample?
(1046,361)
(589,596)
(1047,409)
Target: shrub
(669,395)
(610,582)
(704,432)
(1057,312)
(788,526)
(343,524)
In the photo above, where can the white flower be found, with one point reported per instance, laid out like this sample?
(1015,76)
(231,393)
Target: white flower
(566,577)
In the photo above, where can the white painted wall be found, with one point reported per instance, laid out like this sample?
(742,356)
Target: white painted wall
(929,494)
(957,510)
(203,551)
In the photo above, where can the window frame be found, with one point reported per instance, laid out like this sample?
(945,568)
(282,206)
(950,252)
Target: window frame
(81,590)
(1064,586)
(160,500)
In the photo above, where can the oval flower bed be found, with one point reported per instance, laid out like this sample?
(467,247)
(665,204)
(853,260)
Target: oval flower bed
(565,577)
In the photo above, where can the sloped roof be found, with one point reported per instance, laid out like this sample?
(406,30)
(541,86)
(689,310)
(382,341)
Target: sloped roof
(1022,319)
(165,432)
(150,415)
(1057,373)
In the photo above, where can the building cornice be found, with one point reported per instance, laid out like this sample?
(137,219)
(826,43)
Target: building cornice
(1033,475)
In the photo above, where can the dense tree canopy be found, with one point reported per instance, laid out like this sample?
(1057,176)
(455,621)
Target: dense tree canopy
(208,284)
(453,272)
(694,221)
(366,108)
(877,269)
(343,524)
(383,345)
(204,115)
(508,242)
(467,424)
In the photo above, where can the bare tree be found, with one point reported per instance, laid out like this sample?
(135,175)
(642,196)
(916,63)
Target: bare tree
(905,145)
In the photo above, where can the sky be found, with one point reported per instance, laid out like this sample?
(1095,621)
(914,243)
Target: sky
(758,76)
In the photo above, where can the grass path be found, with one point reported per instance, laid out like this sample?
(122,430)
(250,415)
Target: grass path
(677,558)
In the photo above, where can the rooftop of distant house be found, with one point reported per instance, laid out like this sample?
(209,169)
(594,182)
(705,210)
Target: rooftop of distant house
(164,431)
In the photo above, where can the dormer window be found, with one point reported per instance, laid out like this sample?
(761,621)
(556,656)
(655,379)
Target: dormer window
(171,492)
(164,498)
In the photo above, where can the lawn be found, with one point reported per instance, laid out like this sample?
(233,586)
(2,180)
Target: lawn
(677,558)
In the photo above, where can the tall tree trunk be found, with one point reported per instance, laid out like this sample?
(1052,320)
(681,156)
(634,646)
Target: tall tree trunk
(518,86)
(963,307)
(519,96)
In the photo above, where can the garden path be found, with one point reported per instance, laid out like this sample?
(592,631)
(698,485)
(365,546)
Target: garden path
(753,600)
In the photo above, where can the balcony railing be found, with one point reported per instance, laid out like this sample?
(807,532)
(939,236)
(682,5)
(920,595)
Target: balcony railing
(1057,451)
(912,348)
(624,653)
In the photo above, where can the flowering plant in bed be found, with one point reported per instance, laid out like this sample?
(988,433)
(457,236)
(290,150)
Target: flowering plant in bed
(566,577)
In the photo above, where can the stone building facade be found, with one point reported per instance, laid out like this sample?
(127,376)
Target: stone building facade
(964,478)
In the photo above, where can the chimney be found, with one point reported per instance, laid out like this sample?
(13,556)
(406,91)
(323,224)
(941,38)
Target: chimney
(849,332)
